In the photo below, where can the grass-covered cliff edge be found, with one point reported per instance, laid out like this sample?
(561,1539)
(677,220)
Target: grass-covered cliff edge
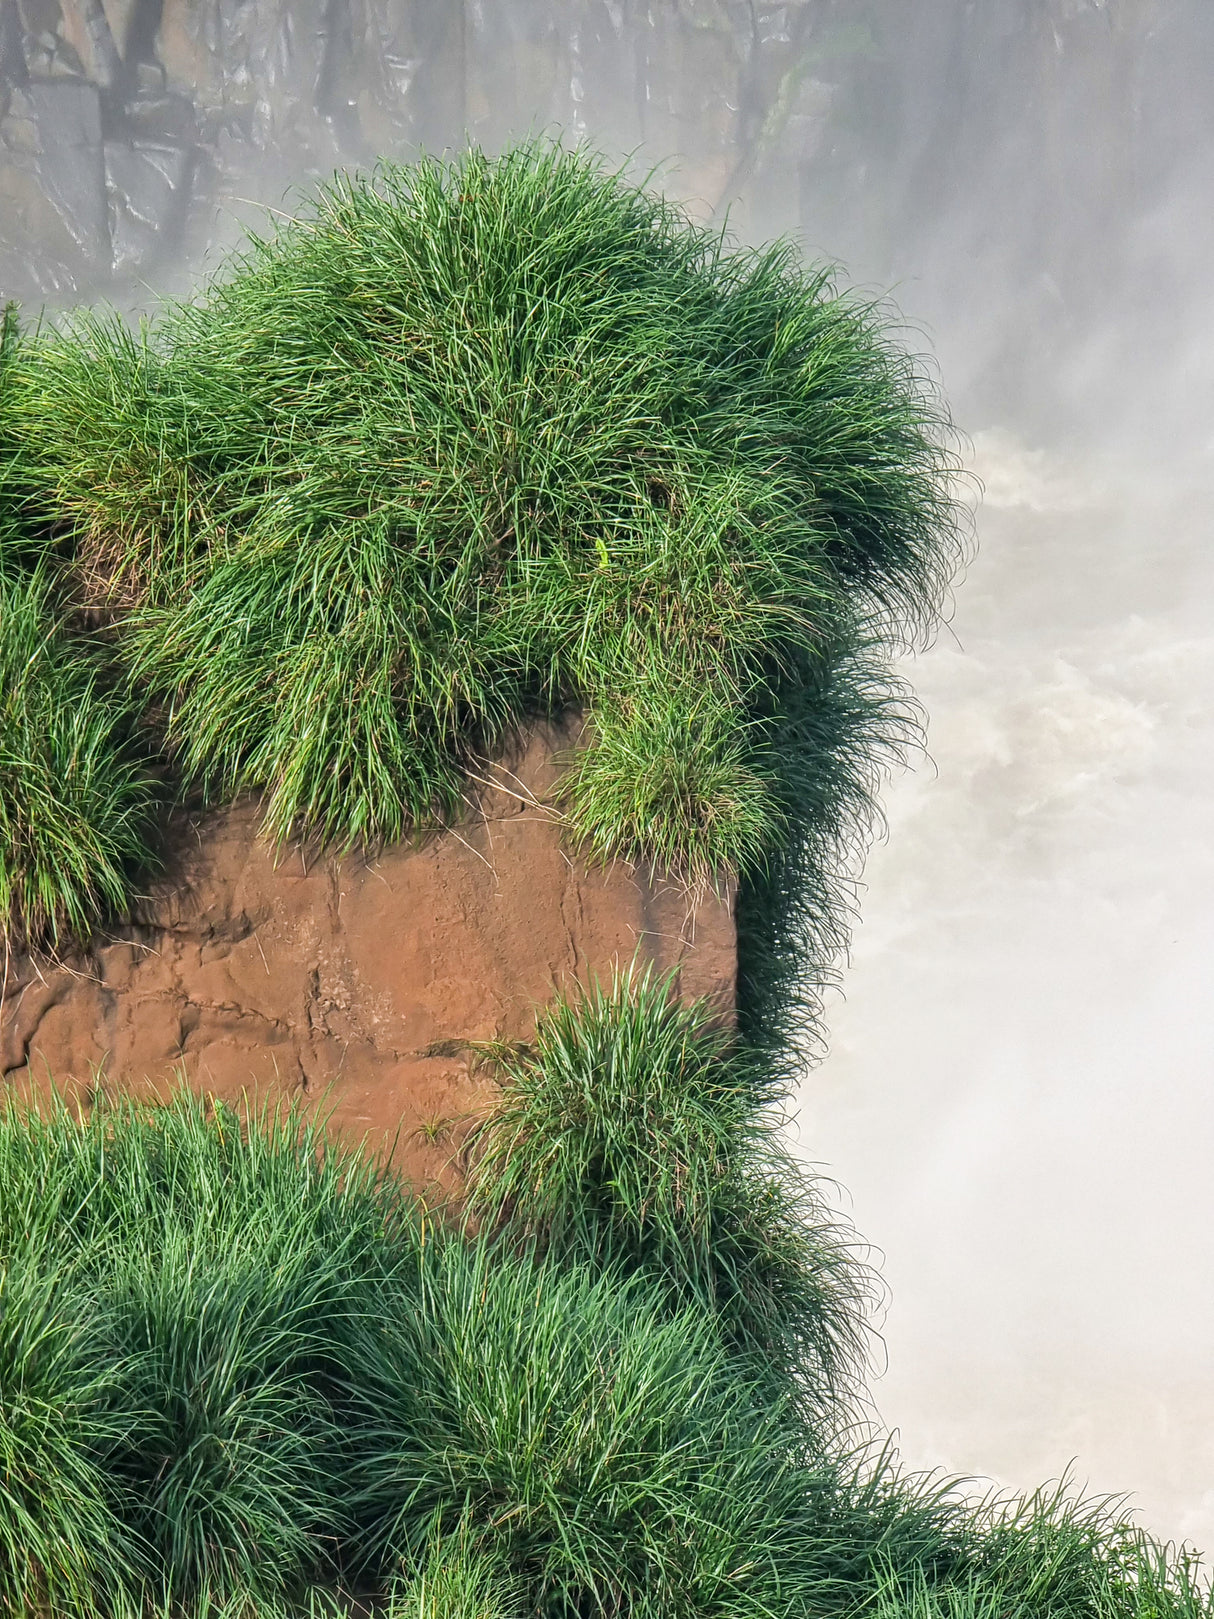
(461,447)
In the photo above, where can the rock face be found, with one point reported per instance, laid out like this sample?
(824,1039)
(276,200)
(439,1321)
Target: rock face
(986,141)
(133,133)
(357,984)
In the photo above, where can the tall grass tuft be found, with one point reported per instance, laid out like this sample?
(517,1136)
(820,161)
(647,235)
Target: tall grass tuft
(230,1469)
(18,545)
(64,1547)
(459,1579)
(611,1456)
(78,802)
(1055,1552)
(480,440)
(837,723)
(640,1135)
(195,1279)
(287,1376)
(111,452)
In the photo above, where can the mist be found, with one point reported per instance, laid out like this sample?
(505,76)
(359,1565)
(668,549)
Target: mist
(1018,1094)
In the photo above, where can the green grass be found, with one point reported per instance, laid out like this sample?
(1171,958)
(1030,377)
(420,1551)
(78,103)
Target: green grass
(78,803)
(263,1367)
(458,1580)
(193,1281)
(467,445)
(610,1456)
(242,1371)
(475,442)
(62,1538)
(18,534)
(837,723)
(641,1136)
(1057,1553)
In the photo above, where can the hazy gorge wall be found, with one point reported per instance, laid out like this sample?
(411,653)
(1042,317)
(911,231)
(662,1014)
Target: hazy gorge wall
(999,147)
(997,152)
(359,984)
(123,122)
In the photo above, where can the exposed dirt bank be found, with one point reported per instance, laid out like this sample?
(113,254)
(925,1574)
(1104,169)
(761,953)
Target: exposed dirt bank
(357,983)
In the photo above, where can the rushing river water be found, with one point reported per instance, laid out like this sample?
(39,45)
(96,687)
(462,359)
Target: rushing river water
(1019,1096)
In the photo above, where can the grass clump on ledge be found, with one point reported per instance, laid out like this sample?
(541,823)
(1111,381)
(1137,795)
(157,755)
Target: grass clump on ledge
(78,802)
(469,443)
(640,1136)
(243,1372)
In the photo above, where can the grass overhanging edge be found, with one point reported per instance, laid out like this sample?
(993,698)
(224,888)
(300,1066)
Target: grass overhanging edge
(689,487)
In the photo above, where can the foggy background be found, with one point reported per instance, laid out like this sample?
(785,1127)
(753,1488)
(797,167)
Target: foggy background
(1019,1096)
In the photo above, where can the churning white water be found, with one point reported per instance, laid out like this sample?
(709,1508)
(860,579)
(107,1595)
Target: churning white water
(1019,1097)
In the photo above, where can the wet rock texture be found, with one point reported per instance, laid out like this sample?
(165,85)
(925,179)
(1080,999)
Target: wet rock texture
(358,985)
(133,133)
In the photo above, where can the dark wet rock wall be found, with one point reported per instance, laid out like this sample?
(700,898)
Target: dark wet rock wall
(125,125)
(1004,161)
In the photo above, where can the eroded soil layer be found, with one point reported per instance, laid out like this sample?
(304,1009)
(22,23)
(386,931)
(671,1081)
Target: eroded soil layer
(360,984)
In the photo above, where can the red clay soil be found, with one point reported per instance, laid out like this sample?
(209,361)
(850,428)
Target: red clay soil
(356,984)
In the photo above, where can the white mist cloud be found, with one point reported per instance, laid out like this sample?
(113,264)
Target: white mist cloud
(1019,1095)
